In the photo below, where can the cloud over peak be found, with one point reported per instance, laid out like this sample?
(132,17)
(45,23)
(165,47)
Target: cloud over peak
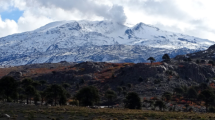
(192,17)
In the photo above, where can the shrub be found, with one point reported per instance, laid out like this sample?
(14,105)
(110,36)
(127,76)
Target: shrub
(140,79)
(133,101)
(88,96)
(212,109)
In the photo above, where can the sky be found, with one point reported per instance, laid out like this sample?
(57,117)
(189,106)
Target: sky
(190,17)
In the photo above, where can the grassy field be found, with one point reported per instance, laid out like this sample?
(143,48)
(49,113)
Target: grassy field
(26,112)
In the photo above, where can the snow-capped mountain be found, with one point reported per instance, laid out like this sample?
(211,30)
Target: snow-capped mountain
(105,41)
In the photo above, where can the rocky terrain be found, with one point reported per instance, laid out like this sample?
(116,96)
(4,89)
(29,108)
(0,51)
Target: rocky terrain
(155,79)
(207,55)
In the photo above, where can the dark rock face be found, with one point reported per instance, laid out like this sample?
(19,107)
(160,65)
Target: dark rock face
(83,70)
(90,67)
(15,74)
(205,55)
(211,47)
(131,74)
(198,73)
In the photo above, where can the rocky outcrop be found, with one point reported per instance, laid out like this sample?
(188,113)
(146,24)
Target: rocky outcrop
(157,78)
(211,47)
(195,72)
(89,67)
(131,74)
(15,74)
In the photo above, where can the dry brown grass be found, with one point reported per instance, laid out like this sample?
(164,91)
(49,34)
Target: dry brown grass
(20,112)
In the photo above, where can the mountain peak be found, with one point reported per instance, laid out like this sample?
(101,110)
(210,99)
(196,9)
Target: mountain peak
(105,41)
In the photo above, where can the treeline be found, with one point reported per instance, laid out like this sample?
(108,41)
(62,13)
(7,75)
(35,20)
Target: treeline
(42,93)
(58,94)
(28,90)
(199,95)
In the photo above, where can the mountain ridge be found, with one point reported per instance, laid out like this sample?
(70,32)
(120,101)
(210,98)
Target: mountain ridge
(100,41)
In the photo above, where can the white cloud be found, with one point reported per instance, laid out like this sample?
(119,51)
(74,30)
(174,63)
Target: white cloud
(8,27)
(192,17)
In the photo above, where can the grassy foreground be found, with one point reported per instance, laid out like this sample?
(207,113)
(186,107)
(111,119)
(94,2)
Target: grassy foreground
(26,112)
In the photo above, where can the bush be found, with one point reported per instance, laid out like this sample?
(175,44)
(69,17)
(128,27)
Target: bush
(132,101)
(157,81)
(203,61)
(37,98)
(88,96)
(63,100)
(76,102)
(212,109)
(211,62)
(82,81)
(197,61)
(140,79)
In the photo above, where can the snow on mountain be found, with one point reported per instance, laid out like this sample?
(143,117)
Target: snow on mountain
(105,41)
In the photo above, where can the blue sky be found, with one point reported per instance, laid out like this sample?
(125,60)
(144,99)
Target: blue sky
(12,14)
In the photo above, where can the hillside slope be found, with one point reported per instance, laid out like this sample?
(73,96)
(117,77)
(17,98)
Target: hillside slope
(101,41)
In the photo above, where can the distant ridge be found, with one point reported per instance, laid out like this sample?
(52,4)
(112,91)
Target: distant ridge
(102,41)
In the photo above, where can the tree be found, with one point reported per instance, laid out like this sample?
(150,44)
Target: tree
(211,62)
(43,95)
(119,89)
(133,101)
(106,87)
(22,97)
(197,61)
(129,85)
(36,84)
(122,82)
(192,94)
(203,86)
(77,86)
(140,79)
(30,91)
(200,98)
(186,106)
(151,103)
(66,85)
(110,95)
(54,92)
(160,104)
(208,97)
(184,88)
(88,96)
(124,93)
(167,96)
(42,82)
(151,59)
(203,61)
(124,88)
(37,97)
(29,88)
(113,76)
(189,59)
(8,86)
(82,81)
(179,90)
(26,82)
(15,97)
(63,99)
(20,90)
(166,57)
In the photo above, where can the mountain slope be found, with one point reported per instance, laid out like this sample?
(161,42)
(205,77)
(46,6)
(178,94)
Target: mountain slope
(105,41)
